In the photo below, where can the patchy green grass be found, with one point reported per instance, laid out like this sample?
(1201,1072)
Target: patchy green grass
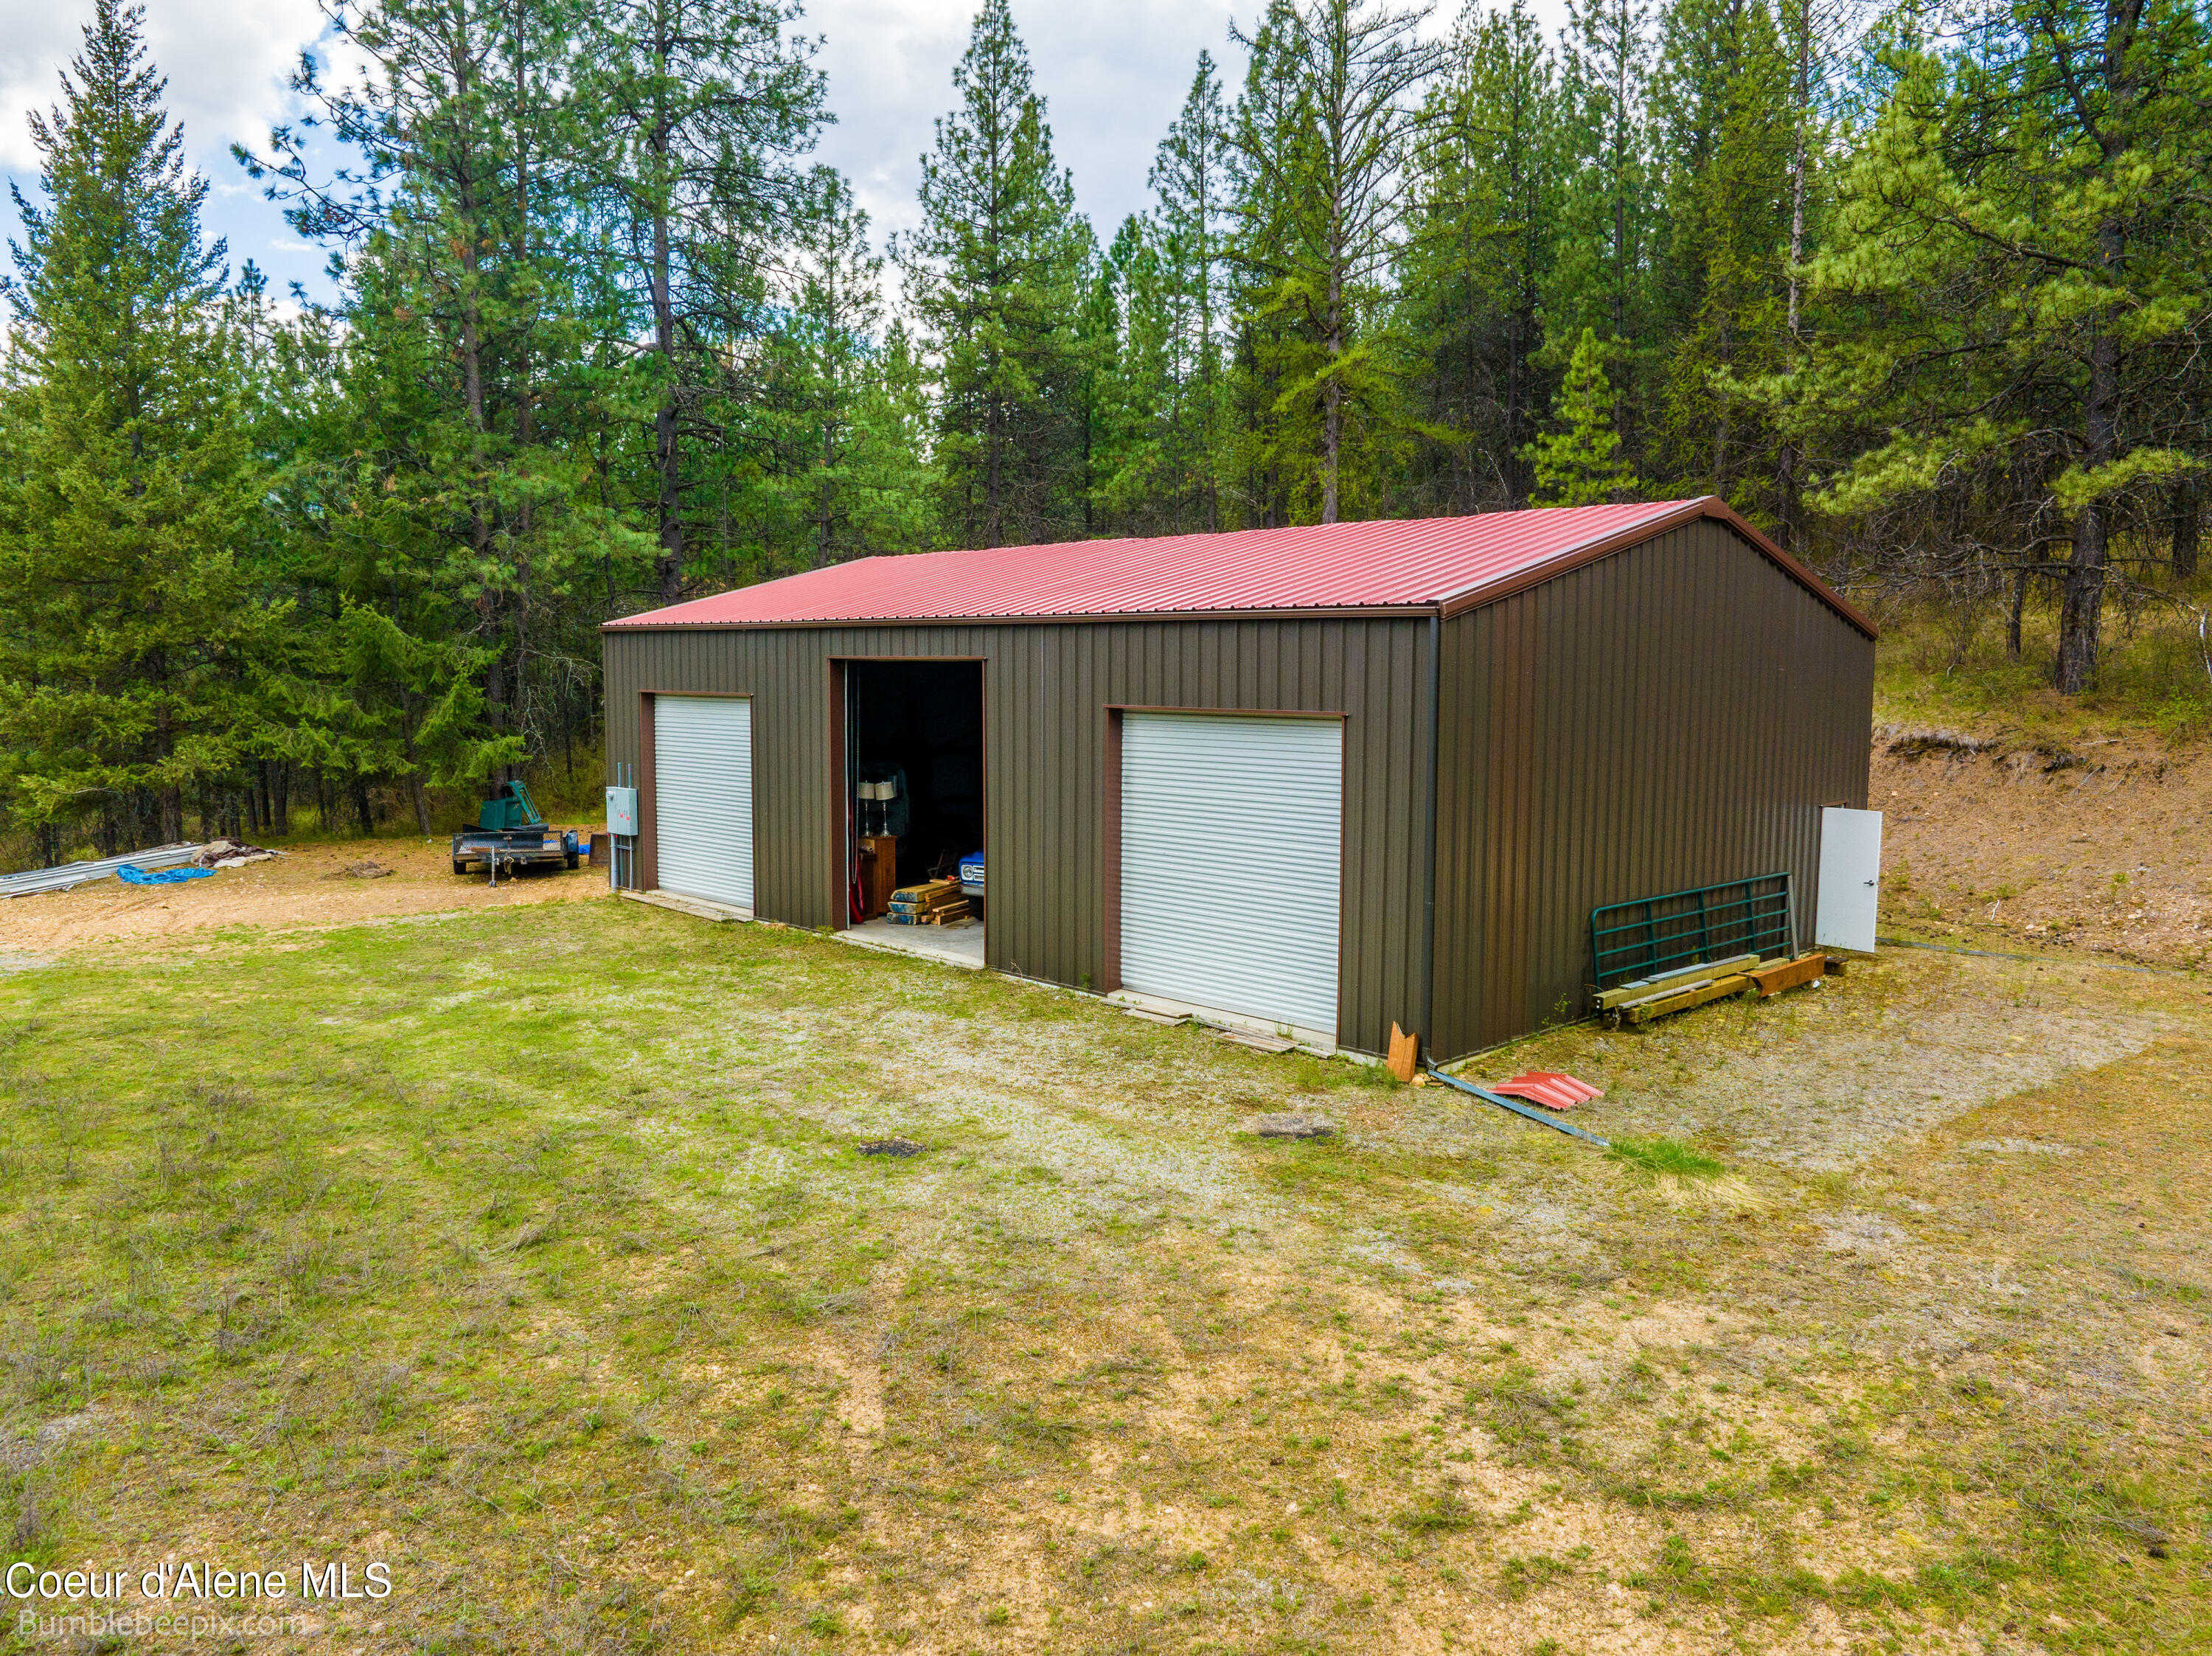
(1948,666)
(530,1253)
(1665,1158)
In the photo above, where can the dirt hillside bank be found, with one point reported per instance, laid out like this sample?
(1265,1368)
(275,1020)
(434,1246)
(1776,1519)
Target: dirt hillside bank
(2105,847)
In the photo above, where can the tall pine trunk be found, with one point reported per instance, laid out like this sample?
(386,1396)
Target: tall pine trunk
(468,209)
(995,503)
(1787,483)
(2081,607)
(667,446)
(1332,397)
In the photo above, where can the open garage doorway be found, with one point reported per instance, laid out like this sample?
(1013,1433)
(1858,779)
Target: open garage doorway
(916,876)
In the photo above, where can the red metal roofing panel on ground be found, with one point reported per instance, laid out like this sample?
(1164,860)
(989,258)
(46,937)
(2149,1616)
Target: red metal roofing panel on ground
(1430,563)
(1551,1088)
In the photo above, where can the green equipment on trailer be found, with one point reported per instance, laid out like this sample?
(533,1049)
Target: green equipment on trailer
(509,833)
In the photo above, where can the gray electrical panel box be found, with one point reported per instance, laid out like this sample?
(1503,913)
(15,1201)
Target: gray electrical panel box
(622,810)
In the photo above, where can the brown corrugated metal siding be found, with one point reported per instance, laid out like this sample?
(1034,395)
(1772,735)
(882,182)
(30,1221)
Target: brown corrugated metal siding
(1673,716)
(1047,690)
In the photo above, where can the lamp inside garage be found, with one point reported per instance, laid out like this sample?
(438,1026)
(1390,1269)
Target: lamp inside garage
(1307,782)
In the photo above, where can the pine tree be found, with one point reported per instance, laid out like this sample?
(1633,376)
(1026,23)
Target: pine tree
(1190,184)
(1101,423)
(700,110)
(901,411)
(1580,463)
(1728,141)
(1607,214)
(848,480)
(478,495)
(994,273)
(2023,264)
(1479,260)
(1139,487)
(389,610)
(1268,458)
(1356,65)
(134,654)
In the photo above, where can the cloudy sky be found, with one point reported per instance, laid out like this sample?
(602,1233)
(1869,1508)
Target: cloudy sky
(1114,72)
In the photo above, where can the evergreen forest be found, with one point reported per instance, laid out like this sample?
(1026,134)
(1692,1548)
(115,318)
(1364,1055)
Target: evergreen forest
(1924,292)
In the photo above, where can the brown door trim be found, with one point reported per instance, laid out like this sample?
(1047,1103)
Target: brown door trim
(840,803)
(648,802)
(1109,834)
(1110,840)
(648,812)
(1231,712)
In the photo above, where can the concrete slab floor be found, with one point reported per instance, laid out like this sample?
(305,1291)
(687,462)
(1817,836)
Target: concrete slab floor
(959,944)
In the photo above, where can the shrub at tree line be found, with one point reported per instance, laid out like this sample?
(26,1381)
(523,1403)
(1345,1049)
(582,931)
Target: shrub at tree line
(1926,298)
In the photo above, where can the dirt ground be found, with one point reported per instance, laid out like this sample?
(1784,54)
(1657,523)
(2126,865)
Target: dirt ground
(309,887)
(2107,847)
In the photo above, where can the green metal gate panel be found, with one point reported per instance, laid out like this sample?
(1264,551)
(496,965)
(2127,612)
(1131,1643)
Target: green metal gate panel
(1653,935)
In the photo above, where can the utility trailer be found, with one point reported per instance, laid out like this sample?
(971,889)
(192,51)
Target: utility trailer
(509,833)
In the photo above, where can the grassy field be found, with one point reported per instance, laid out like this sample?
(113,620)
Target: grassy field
(530,1253)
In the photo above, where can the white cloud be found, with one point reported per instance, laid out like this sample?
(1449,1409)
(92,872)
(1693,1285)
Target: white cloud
(1113,73)
(227,61)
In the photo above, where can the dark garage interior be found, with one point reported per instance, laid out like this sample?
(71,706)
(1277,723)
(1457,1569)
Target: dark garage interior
(918,727)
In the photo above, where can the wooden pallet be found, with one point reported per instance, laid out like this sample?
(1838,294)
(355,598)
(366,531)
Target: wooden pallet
(1637,1003)
(930,916)
(935,902)
(928,891)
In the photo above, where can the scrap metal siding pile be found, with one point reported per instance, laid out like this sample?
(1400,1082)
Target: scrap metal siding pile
(65,875)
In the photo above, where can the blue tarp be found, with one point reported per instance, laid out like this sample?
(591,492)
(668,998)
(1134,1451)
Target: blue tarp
(130,875)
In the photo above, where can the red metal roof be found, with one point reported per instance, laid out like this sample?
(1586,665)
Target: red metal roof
(1433,563)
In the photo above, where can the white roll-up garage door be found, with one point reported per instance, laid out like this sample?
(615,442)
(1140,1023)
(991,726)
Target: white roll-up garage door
(703,795)
(1232,855)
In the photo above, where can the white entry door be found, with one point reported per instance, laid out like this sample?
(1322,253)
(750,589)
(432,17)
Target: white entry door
(1232,857)
(1851,879)
(703,795)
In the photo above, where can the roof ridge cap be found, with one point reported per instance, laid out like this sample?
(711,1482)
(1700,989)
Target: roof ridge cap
(1662,512)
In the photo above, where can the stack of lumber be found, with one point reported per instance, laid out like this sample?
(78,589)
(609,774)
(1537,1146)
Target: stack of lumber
(1707,980)
(1773,977)
(935,902)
